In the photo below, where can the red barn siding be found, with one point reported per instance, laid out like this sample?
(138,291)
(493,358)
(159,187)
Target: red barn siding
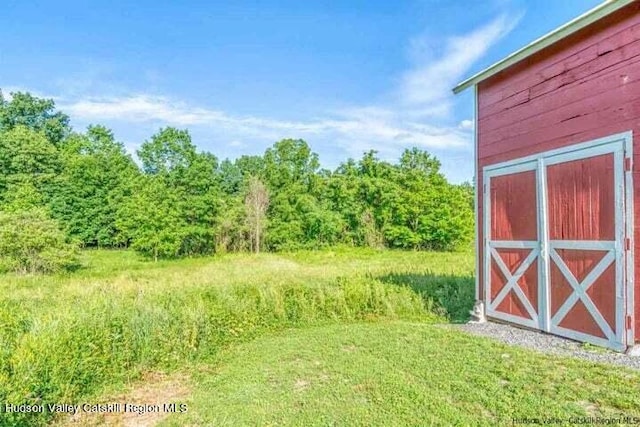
(584,87)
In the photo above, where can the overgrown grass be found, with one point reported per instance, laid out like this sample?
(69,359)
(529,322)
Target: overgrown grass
(65,337)
(452,293)
(400,373)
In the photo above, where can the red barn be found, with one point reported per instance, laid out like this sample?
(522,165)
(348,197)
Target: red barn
(557,132)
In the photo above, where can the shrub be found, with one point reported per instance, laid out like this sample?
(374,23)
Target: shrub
(32,242)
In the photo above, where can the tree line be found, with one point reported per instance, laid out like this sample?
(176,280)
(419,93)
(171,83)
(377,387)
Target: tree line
(61,189)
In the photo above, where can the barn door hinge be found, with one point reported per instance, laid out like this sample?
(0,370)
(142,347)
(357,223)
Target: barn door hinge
(627,244)
(628,322)
(627,164)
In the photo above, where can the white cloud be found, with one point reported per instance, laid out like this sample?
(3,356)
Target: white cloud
(419,115)
(373,124)
(8,90)
(430,81)
(148,108)
(139,108)
(236,144)
(466,125)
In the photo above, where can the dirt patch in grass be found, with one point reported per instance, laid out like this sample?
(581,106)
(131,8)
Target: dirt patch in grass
(153,391)
(589,407)
(301,385)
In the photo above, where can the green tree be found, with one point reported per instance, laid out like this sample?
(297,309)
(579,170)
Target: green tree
(231,177)
(178,204)
(22,196)
(298,217)
(201,203)
(27,156)
(93,184)
(251,166)
(151,218)
(342,193)
(232,231)
(36,114)
(428,212)
(379,192)
(182,202)
(290,162)
(169,150)
(455,219)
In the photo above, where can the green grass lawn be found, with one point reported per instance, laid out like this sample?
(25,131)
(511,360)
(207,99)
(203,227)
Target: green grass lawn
(399,373)
(338,336)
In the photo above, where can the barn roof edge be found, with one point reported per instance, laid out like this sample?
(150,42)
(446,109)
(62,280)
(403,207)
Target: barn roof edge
(587,18)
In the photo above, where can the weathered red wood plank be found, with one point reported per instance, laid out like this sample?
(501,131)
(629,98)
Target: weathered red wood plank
(581,203)
(590,55)
(599,109)
(522,79)
(550,128)
(603,74)
(555,108)
(607,35)
(511,215)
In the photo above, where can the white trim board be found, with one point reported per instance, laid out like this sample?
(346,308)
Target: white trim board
(629,253)
(624,137)
(476,193)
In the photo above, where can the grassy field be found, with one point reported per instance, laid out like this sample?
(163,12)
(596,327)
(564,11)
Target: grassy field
(335,337)
(399,373)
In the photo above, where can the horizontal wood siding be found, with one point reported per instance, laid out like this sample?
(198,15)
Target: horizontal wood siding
(584,87)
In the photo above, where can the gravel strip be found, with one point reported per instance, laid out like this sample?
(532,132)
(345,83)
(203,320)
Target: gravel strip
(546,343)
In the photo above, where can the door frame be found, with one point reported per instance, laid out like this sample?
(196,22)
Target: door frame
(621,146)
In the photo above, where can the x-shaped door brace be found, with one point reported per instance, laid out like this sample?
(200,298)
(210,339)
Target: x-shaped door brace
(580,290)
(512,281)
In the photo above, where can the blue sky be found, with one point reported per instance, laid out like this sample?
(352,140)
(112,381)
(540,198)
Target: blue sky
(346,76)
